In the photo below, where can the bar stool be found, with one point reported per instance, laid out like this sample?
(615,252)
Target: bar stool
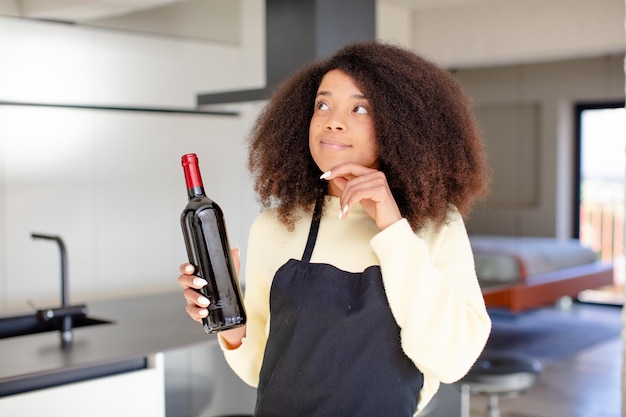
(498,374)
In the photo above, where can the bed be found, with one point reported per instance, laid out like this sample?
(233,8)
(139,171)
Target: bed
(521,273)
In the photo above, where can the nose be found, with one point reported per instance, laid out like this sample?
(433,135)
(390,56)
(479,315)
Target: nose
(335,123)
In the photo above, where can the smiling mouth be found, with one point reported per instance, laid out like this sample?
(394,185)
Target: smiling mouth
(331,145)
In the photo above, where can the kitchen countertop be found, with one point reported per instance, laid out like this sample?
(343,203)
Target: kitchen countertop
(140,326)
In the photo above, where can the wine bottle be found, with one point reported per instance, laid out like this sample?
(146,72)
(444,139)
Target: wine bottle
(208,249)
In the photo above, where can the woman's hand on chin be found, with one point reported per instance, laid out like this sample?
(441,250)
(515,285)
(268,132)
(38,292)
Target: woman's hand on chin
(355,183)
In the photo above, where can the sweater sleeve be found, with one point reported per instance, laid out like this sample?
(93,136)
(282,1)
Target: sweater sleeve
(246,359)
(433,292)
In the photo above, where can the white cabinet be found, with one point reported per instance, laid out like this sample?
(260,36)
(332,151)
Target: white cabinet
(136,393)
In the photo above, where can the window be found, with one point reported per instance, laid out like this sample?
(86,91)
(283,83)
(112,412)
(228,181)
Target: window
(601,168)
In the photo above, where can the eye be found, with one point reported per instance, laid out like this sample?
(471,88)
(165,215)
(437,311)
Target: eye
(361,109)
(320,105)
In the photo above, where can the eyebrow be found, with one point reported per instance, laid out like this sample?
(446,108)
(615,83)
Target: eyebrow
(328,93)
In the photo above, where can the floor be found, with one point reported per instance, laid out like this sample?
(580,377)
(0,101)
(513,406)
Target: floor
(587,384)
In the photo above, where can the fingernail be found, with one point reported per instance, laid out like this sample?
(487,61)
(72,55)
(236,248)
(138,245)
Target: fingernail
(203,300)
(199,282)
(325,175)
(343,211)
(189,269)
(203,312)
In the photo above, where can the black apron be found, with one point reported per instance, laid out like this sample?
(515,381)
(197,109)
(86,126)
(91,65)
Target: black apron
(334,346)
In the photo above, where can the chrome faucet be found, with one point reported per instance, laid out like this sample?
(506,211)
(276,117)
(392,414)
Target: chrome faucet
(66,311)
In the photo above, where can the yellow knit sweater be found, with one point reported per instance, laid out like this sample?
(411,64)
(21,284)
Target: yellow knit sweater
(429,280)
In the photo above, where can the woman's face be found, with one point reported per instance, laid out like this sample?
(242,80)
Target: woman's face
(341,129)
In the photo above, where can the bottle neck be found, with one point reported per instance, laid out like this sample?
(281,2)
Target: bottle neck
(195,192)
(193,179)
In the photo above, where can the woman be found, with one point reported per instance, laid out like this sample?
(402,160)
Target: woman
(361,292)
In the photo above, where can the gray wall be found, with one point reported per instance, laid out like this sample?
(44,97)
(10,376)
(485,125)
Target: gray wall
(527,116)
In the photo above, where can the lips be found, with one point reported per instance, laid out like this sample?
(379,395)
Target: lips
(333,145)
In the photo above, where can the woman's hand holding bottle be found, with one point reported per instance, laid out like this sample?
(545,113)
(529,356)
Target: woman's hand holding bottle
(197,304)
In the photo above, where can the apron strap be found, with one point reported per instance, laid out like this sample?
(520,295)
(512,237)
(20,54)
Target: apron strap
(315,225)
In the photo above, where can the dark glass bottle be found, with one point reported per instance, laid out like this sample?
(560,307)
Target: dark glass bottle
(208,250)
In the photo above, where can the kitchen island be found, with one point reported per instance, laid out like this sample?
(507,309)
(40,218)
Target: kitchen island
(112,367)
(151,360)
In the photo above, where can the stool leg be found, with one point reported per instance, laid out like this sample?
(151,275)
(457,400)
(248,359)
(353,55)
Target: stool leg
(465,400)
(493,409)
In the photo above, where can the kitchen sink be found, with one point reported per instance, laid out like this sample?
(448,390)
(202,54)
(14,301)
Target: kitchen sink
(32,323)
